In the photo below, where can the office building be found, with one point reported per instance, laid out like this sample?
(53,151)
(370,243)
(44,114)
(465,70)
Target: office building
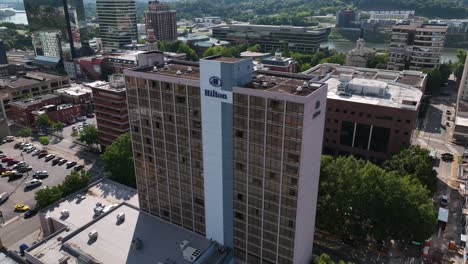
(77,94)
(279,63)
(348,19)
(37,83)
(270,38)
(416,46)
(21,111)
(117,22)
(3,55)
(162,20)
(371,113)
(110,107)
(4,128)
(460,132)
(60,17)
(228,153)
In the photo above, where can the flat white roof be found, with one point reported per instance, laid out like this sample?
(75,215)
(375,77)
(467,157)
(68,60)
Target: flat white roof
(106,192)
(443,214)
(74,90)
(395,94)
(461,121)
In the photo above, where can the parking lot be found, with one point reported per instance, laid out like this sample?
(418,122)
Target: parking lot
(16,188)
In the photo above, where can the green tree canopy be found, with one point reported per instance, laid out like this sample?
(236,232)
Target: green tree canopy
(338,58)
(118,159)
(223,51)
(414,161)
(178,47)
(24,132)
(326,259)
(255,48)
(361,200)
(378,62)
(75,181)
(47,196)
(43,122)
(44,140)
(89,135)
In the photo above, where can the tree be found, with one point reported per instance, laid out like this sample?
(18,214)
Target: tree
(255,48)
(378,62)
(44,140)
(360,200)
(47,196)
(434,79)
(178,47)
(58,127)
(75,181)
(326,259)
(285,52)
(414,161)
(223,51)
(338,58)
(118,160)
(24,132)
(43,122)
(89,135)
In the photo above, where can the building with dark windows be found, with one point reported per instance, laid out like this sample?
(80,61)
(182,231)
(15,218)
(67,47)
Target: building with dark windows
(227,153)
(55,28)
(416,46)
(270,38)
(162,20)
(348,19)
(110,107)
(371,113)
(117,22)
(3,55)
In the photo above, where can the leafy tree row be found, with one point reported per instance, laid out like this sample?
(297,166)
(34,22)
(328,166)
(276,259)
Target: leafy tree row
(72,183)
(118,160)
(360,200)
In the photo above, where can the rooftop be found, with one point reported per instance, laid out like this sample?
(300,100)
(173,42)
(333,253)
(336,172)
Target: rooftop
(32,101)
(286,83)
(116,85)
(175,68)
(30,78)
(412,78)
(74,90)
(137,238)
(271,28)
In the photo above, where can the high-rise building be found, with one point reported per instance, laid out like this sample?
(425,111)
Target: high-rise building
(49,43)
(460,132)
(53,17)
(3,55)
(162,20)
(117,22)
(416,46)
(270,38)
(230,153)
(110,106)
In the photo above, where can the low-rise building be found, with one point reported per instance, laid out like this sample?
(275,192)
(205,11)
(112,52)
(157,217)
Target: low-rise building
(110,106)
(103,224)
(280,63)
(371,113)
(77,94)
(64,113)
(202,42)
(28,84)
(359,56)
(21,111)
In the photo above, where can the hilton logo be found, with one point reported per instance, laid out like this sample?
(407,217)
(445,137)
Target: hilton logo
(213,93)
(215,81)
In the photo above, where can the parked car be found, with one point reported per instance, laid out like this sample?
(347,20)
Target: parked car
(90,115)
(81,118)
(12,162)
(4,196)
(49,157)
(16,175)
(70,164)
(443,200)
(6,159)
(447,157)
(17,145)
(20,165)
(24,169)
(33,183)
(56,161)
(40,174)
(2,155)
(62,161)
(79,167)
(7,173)
(35,152)
(31,150)
(21,207)
(30,213)
(448,112)
(9,138)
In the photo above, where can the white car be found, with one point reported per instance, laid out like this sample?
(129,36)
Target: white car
(9,138)
(4,196)
(33,183)
(35,152)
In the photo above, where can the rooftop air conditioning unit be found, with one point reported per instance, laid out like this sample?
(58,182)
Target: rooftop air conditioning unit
(120,217)
(183,245)
(93,235)
(189,69)
(65,213)
(179,72)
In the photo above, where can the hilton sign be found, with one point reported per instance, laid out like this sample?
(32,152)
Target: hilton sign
(213,93)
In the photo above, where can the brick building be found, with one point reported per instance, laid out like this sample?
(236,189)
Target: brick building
(21,111)
(78,94)
(65,113)
(370,113)
(110,107)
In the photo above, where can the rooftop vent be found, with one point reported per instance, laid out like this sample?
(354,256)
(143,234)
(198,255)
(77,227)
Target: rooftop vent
(179,72)
(191,254)
(120,217)
(137,244)
(166,67)
(155,68)
(264,84)
(183,245)
(189,69)
(93,235)
(65,213)
(299,89)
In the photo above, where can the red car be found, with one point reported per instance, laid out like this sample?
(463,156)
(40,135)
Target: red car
(7,159)
(12,162)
